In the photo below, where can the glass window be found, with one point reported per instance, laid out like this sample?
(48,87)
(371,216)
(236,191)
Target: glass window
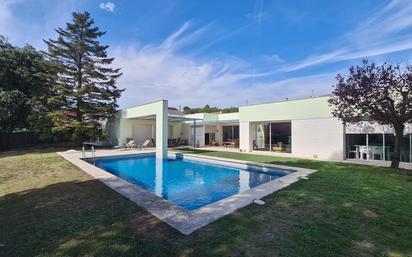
(356,147)
(227,133)
(261,139)
(389,146)
(235,132)
(353,143)
(375,142)
(276,136)
(230,133)
(406,149)
(281,134)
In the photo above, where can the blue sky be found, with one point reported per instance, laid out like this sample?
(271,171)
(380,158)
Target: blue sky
(230,52)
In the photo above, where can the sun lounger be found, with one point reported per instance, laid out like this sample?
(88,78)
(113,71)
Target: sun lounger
(146,143)
(128,146)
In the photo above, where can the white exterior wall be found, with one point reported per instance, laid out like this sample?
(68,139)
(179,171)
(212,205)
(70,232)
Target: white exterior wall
(318,138)
(186,133)
(142,130)
(177,129)
(200,136)
(123,128)
(219,133)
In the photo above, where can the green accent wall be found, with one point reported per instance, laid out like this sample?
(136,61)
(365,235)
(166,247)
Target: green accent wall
(309,108)
(228,116)
(215,116)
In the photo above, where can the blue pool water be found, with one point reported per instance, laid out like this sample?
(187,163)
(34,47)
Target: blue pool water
(187,183)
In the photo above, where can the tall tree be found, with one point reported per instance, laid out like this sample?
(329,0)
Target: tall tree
(376,93)
(86,90)
(26,73)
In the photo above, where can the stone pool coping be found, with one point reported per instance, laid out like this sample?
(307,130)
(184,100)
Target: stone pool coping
(182,220)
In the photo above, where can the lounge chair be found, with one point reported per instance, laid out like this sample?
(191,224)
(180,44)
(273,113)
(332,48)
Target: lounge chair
(146,144)
(131,144)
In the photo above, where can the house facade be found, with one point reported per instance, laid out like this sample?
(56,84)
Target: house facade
(298,128)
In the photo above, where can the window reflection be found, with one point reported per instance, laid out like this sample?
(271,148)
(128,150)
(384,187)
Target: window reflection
(376,147)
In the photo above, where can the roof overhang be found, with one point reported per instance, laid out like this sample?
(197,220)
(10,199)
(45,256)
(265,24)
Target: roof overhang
(171,118)
(218,122)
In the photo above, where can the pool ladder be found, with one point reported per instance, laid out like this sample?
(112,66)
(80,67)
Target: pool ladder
(92,151)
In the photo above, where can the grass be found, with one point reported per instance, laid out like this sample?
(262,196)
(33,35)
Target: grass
(50,208)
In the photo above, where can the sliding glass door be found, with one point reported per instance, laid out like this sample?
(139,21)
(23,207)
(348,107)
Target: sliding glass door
(261,140)
(230,133)
(376,147)
(273,136)
(281,137)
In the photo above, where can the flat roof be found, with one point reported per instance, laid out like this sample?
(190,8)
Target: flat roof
(247,105)
(218,122)
(170,117)
(287,100)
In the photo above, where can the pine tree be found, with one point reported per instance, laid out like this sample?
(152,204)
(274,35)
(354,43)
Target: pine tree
(86,91)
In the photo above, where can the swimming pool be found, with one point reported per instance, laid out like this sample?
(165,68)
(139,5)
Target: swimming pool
(190,183)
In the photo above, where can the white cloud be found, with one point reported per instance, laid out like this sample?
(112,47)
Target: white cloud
(388,21)
(153,72)
(22,30)
(274,58)
(108,6)
(6,15)
(378,35)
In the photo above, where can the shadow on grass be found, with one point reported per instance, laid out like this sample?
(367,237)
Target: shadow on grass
(324,216)
(78,219)
(39,149)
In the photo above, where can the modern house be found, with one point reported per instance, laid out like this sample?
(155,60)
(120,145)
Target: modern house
(300,128)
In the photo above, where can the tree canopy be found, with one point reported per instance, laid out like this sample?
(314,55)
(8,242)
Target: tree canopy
(208,109)
(14,108)
(25,82)
(376,93)
(86,90)
(68,91)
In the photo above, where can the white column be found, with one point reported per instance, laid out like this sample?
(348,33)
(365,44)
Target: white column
(159,177)
(161,130)
(194,133)
(244,180)
(270,137)
(410,147)
(367,146)
(245,136)
(383,147)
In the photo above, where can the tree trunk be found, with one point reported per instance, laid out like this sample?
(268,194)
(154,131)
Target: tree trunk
(398,146)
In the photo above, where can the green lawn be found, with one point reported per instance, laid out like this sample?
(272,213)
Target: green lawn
(50,208)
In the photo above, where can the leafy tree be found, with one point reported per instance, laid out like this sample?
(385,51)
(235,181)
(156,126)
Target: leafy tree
(13,105)
(376,93)
(86,90)
(208,109)
(230,110)
(27,71)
